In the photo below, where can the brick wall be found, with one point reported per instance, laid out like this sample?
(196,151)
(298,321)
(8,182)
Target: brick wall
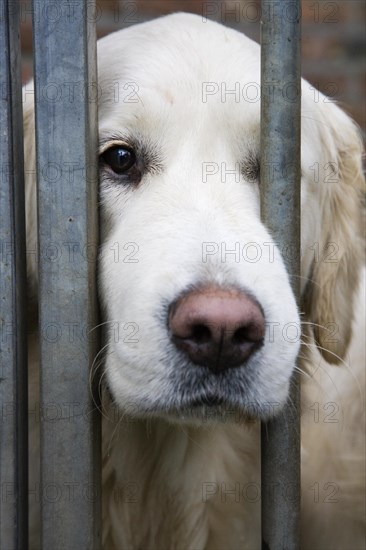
(333,43)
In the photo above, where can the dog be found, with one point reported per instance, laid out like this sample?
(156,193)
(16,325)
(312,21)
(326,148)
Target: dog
(202,328)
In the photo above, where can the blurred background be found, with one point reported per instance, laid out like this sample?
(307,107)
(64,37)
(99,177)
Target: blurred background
(333,36)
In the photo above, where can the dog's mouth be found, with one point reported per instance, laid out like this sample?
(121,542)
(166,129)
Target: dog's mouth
(211,408)
(204,408)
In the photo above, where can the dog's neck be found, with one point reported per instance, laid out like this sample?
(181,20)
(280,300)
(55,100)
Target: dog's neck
(176,487)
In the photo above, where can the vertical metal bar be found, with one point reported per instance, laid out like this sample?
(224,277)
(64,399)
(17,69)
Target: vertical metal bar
(280,210)
(13,344)
(66,130)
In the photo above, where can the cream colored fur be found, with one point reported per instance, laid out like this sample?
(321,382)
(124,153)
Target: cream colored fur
(167,478)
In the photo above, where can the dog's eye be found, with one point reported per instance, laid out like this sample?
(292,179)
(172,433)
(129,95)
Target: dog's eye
(119,159)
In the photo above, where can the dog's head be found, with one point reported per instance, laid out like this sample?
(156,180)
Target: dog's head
(197,300)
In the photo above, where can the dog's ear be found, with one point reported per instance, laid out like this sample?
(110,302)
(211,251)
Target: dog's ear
(339,253)
(30,190)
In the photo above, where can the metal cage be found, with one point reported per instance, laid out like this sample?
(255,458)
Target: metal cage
(66,135)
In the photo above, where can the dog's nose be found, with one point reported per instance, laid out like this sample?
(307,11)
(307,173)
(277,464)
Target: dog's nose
(217,328)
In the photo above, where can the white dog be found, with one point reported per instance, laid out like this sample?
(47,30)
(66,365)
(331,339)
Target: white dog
(207,324)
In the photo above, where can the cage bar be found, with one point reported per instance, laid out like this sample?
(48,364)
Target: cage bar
(280,211)
(66,144)
(13,344)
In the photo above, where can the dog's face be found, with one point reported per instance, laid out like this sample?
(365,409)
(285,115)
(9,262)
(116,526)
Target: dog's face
(198,304)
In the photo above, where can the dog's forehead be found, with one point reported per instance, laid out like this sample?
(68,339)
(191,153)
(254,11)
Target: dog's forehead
(179,69)
(179,41)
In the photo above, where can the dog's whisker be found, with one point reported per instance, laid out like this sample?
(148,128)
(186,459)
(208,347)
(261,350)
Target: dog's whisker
(96,365)
(302,372)
(319,366)
(102,324)
(324,327)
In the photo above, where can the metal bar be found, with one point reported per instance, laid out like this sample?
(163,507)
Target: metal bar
(280,210)
(66,140)
(13,344)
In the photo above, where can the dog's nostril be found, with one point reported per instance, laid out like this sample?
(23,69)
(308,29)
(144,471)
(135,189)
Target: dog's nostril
(240,336)
(251,333)
(200,334)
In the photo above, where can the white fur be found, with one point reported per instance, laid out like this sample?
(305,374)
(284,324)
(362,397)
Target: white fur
(164,454)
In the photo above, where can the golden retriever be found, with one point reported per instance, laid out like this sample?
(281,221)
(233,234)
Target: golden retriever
(214,329)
